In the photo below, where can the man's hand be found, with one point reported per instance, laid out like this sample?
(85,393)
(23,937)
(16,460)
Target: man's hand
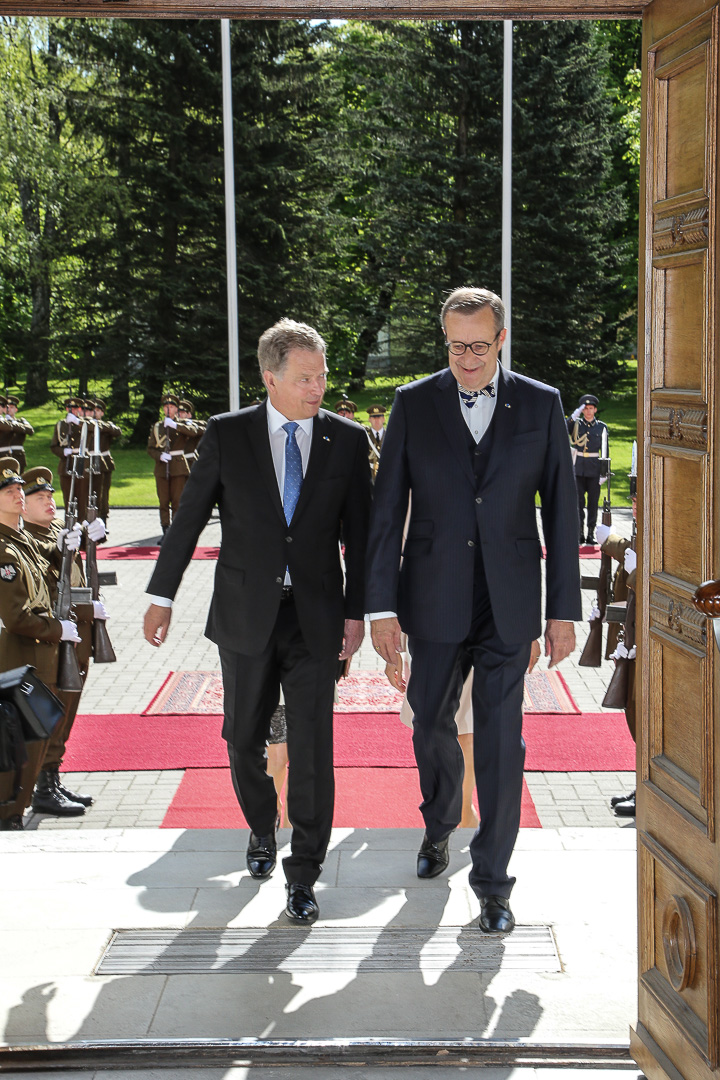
(387,639)
(559,640)
(352,637)
(157,624)
(396,678)
(534,655)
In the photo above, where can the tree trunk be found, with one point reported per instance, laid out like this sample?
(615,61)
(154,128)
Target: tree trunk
(368,336)
(456,256)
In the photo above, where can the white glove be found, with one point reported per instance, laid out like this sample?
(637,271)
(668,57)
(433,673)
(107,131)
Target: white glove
(71,418)
(577,414)
(99,610)
(69,630)
(601,533)
(165,456)
(67,451)
(70,540)
(630,560)
(603,479)
(95,529)
(169,422)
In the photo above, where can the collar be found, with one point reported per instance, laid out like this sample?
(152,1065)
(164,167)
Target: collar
(493,382)
(276,421)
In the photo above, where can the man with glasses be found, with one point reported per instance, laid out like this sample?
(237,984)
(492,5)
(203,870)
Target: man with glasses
(468,448)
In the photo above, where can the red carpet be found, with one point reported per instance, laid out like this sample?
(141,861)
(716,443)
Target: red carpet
(192,692)
(589,742)
(364,799)
(130,552)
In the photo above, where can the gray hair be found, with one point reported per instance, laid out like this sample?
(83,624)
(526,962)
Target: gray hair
(276,343)
(469,299)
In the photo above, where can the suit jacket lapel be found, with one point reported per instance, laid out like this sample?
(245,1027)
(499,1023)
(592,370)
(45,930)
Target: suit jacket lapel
(447,403)
(322,440)
(260,442)
(504,422)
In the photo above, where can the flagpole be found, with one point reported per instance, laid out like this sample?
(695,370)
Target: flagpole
(506,276)
(230,235)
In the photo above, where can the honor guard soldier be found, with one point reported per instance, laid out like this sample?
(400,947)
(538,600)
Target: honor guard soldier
(30,632)
(167,444)
(109,432)
(376,435)
(65,444)
(186,413)
(14,430)
(589,442)
(40,521)
(345,407)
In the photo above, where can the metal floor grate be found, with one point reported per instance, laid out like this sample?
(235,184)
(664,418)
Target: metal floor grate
(326,948)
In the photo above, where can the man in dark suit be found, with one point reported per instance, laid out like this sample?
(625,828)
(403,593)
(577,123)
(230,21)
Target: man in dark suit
(469,448)
(286,476)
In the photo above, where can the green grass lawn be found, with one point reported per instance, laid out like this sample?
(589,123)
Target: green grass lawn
(134,484)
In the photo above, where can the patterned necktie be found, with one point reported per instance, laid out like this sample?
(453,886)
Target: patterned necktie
(293,471)
(470,396)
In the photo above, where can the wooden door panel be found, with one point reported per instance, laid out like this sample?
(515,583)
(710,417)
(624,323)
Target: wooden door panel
(677,1031)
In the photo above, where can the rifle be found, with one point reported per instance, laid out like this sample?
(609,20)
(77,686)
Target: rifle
(592,653)
(103,652)
(616,695)
(69,678)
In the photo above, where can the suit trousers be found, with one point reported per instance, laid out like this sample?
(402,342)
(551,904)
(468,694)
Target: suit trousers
(590,486)
(438,672)
(252,687)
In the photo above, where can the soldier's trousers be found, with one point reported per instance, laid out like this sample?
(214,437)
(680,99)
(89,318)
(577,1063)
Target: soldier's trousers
(589,485)
(55,745)
(169,491)
(28,775)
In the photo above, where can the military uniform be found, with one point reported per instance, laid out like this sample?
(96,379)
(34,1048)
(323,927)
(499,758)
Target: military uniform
(170,476)
(191,450)
(30,635)
(589,442)
(345,407)
(14,430)
(67,436)
(109,432)
(375,439)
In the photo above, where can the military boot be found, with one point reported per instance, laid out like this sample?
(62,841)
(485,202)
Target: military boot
(49,799)
(84,800)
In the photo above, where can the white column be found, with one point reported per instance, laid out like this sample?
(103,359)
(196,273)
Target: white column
(230,239)
(506,278)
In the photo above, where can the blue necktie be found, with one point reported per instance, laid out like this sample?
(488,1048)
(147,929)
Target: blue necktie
(293,471)
(470,396)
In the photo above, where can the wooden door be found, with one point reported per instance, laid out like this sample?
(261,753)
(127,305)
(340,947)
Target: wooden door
(679,753)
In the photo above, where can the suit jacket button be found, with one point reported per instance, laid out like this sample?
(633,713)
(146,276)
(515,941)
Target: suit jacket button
(471,543)
(478,500)
(278,580)
(288,539)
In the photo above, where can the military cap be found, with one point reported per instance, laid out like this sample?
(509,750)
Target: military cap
(377,410)
(3,401)
(170,399)
(346,404)
(12,399)
(588,399)
(73,402)
(99,403)
(257,401)
(185,405)
(10,472)
(88,403)
(37,479)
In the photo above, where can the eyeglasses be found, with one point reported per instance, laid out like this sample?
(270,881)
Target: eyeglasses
(458,348)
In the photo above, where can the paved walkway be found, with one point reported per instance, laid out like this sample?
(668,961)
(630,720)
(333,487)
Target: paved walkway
(141,799)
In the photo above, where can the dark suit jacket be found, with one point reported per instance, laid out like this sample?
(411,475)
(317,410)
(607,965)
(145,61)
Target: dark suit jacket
(426,453)
(235,470)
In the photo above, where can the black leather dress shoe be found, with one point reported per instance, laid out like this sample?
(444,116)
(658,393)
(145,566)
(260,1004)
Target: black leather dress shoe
(432,858)
(621,798)
(47,798)
(301,904)
(495,915)
(261,855)
(626,807)
(12,824)
(590,539)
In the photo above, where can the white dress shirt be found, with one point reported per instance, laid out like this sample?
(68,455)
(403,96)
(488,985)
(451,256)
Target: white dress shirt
(478,418)
(278,439)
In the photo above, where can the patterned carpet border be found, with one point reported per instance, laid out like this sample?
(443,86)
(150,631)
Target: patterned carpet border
(196,692)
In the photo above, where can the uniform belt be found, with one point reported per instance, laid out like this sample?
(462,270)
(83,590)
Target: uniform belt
(105,453)
(590,453)
(3,449)
(175,453)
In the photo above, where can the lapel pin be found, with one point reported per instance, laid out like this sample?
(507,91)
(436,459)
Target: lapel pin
(508,406)
(326,438)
